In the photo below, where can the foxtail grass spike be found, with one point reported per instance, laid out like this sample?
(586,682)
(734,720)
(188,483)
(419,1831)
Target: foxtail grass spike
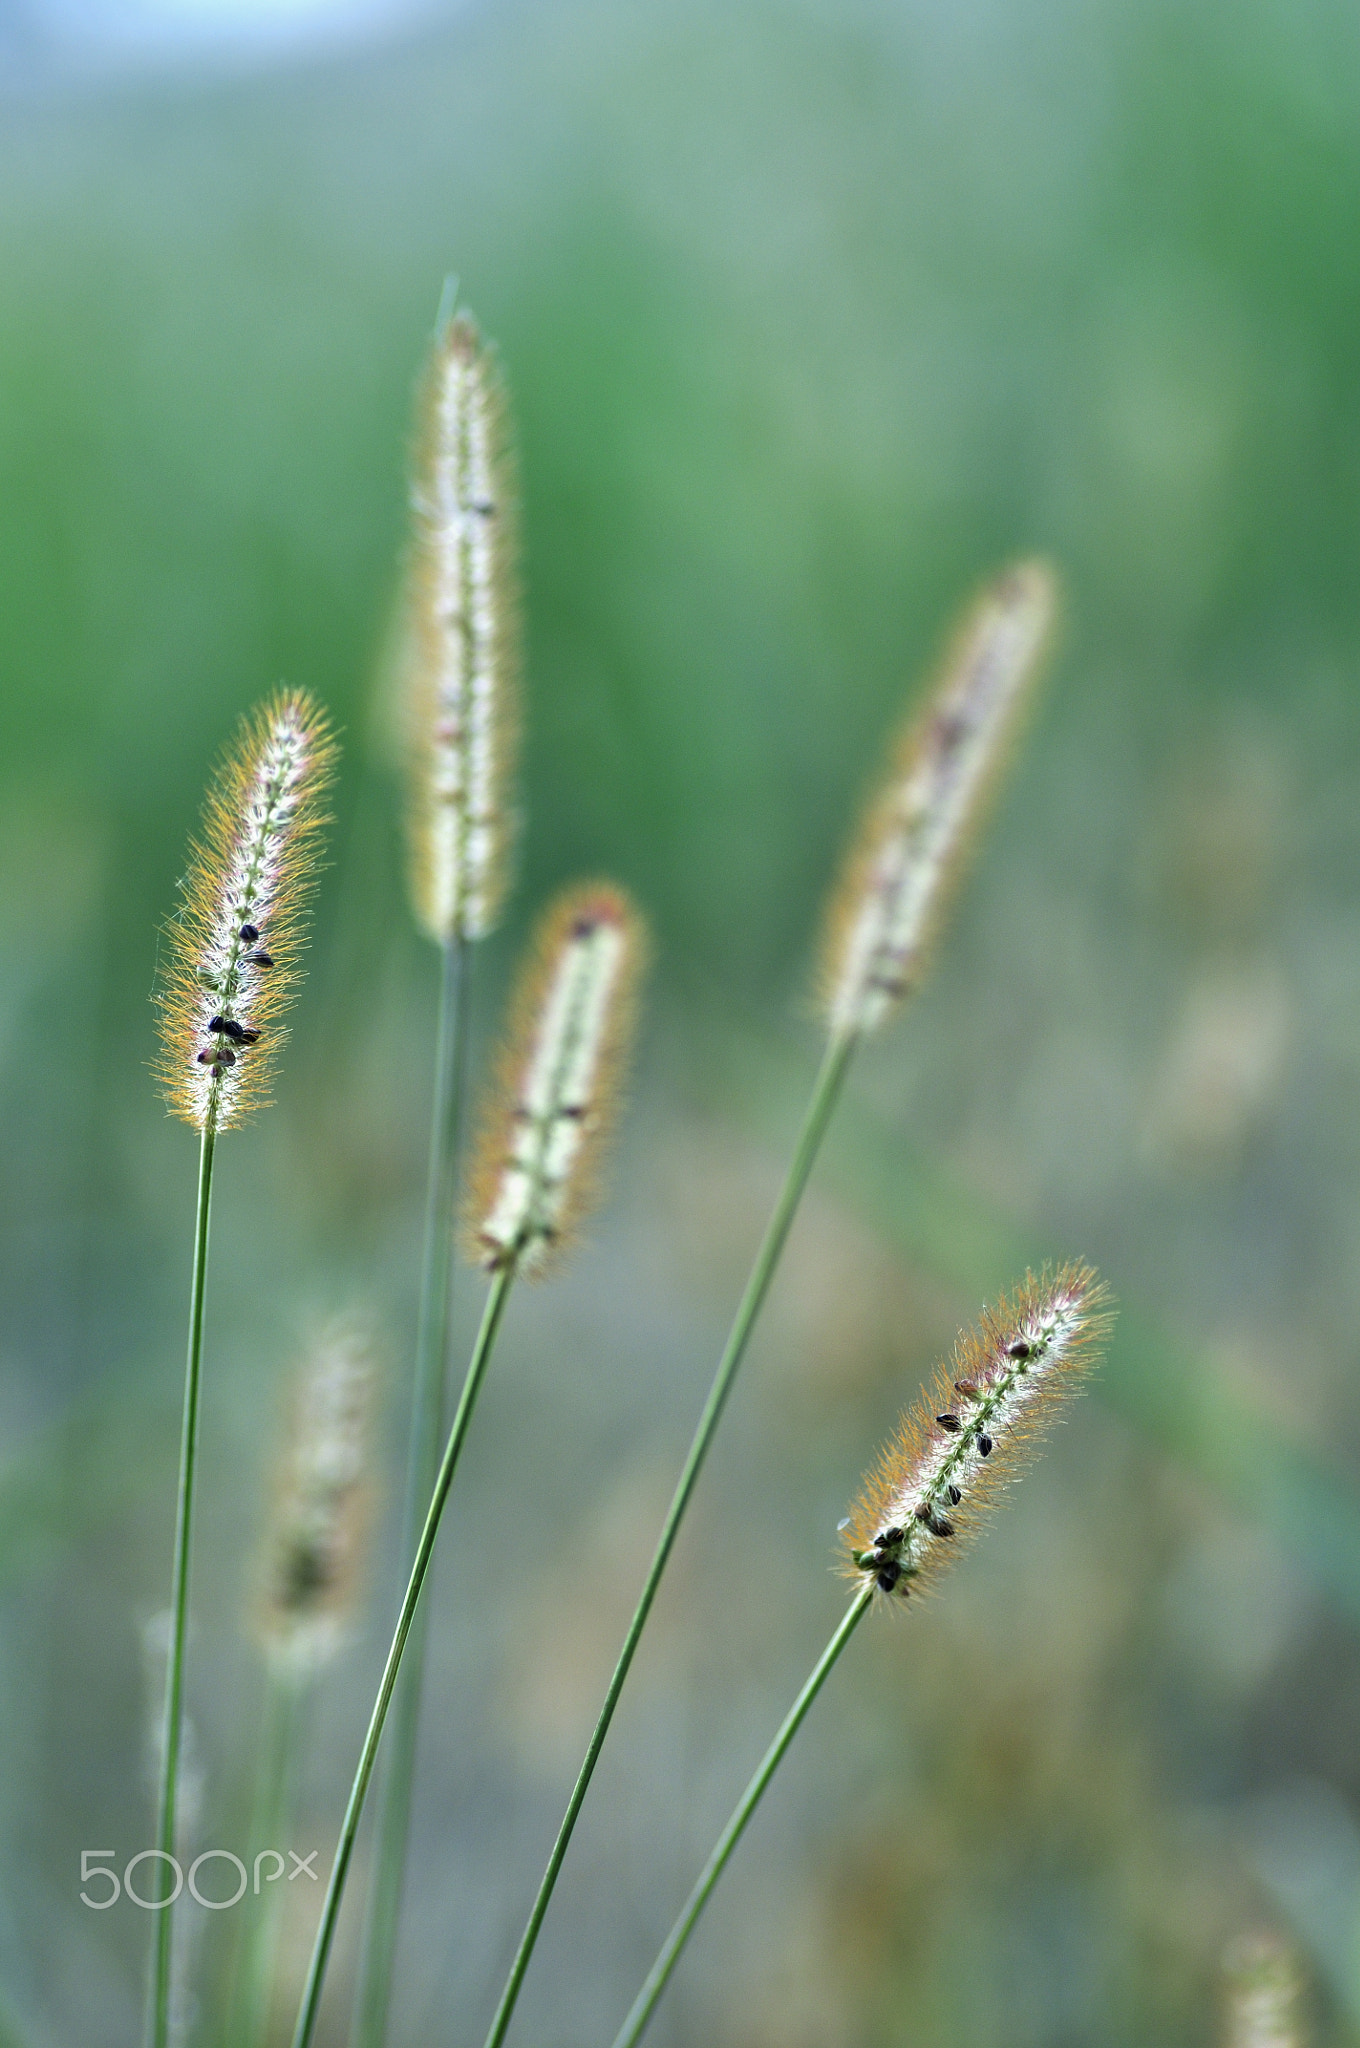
(972,1430)
(1263,1994)
(916,831)
(535,1168)
(464,642)
(1026,1354)
(235,944)
(311,1566)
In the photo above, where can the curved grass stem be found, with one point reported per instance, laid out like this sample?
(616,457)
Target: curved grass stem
(325,1934)
(158,2018)
(659,1975)
(393,1801)
(824,1095)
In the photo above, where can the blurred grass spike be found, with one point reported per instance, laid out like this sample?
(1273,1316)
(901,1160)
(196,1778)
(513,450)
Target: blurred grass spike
(462,717)
(559,1080)
(235,945)
(311,1566)
(1262,1994)
(1033,1348)
(308,1575)
(897,877)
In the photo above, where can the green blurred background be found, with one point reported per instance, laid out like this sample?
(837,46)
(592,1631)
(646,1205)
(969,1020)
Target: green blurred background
(812,315)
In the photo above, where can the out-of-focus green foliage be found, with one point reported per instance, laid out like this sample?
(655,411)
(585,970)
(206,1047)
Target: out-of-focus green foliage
(811,316)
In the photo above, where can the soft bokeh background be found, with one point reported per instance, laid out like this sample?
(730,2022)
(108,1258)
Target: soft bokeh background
(814,311)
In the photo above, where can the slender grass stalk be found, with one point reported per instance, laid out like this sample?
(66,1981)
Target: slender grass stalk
(167,1804)
(270,1817)
(823,1102)
(393,1816)
(925,1493)
(659,1975)
(472,1384)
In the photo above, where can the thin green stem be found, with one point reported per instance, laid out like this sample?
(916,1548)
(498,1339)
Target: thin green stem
(158,2018)
(393,1816)
(268,1826)
(659,1975)
(325,1933)
(823,1101)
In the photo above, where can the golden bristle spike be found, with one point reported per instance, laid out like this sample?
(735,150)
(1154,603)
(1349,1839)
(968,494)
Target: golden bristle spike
(235,945)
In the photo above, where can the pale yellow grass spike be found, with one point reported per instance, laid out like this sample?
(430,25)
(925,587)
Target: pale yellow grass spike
(463,650)
(916,831)
(572,1028)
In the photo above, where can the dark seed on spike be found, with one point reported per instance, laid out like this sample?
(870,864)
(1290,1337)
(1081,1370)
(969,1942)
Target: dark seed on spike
(888,1577)
(1019,1349)
(224,1056)
(940,1527)
(955,1495)
(249,933)
(229,1028)
(985,1446)
(949,1422)
(217,1023)
(207,1056)
(923,1513)
(246,1037)
(259,959)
